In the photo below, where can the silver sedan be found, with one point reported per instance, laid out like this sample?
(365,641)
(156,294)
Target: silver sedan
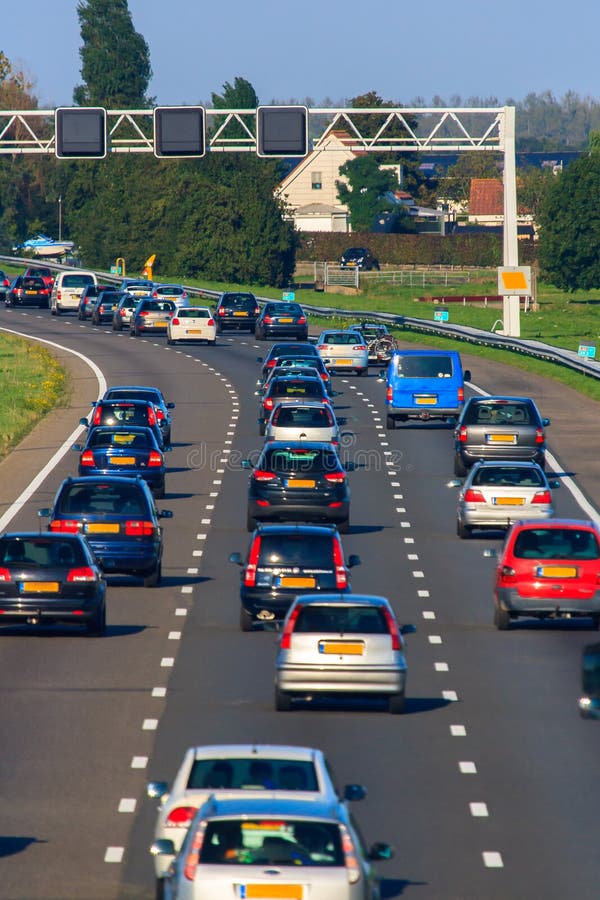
(303,422)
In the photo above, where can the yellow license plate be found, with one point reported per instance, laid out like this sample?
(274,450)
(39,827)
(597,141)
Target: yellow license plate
(509,501)
(343,362)
(272,891)
(301,483)
(290,581)
(40,587)
(29,293)
(122,460)
(349,648)
(502,438)
(193,331)
(558,571)
(240,313)
(160,322)
(426,401)
(286,320)
(102,527)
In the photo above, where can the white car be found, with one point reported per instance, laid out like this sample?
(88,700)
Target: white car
(239,770)
(192,323)
(175,292)
(341,350)
(67,290)
(303,422)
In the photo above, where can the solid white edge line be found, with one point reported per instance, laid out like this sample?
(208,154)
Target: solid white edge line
(20,502)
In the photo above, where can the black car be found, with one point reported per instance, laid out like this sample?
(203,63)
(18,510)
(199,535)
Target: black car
(153,395)
(299,481)
(126,307)
(300,365)
(358,258)
(281,319)
(290,388)
(125,413)
(287,350)
(28,290)
(51,578)
(284,561)
(88,298)
(499,428)
(236,310)
(104,308)
(114,450)
(119,519)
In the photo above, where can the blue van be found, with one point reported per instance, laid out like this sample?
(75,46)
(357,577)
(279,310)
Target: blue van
(425,384)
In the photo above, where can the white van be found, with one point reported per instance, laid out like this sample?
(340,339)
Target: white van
(67,290)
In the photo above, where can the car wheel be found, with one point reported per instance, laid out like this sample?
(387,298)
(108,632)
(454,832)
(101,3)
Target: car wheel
(460,470)
(397,704)
(212,343)
(501,619)
(153,580)
(160,889)
(362,371)
(170,340)
(463,531)
(246,620)
(595,622)
(344,527)
(283,701)
(250,522)
(390,423)
(96,626)
(262,427)
(52,310)
(159,493)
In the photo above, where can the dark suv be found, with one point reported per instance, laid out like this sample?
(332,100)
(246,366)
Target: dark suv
(281,319)
(28,290)
(499,428)
(126,413)
(236,310)
(284,561)
(358,258)
(118,517)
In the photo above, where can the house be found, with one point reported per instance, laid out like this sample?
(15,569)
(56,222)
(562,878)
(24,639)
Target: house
(486,209)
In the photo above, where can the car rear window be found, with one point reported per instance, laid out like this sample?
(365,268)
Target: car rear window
(302,417)
(509,476)
(283,309)
(76,281)
(307,551)
(253,773)
(424,366)
(242,301)
(124,414)
(343,337)
(42,552)
(133,394)
(33,284)
(193,313)
(341,620)
(284,842)
(301,460)
(104,498)
(556,543)
(119,438)
(157,305)
(285,350)
(499,414)
(300,388)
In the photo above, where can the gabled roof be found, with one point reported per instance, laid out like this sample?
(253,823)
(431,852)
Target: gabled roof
(486,197)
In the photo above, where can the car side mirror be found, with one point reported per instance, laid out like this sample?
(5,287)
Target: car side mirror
(76,447)
(246,464)
(165,514)
(378,851)
(490,553)
(355,792)
(85,422)
(555,483)
(236,559)
(353,560)
(164,847)
(456,482)
(467,375)
(259,359)
(44,513)
(408,629)
(170,406)
(157,790)
(546,422)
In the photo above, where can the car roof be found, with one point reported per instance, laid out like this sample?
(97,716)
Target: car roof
(517,464)
(273,807)
(267,751)
(35,535)
(343,599)
(104,479)
(502,398)
(121,401)
(296,445)
(556,523)
(132,387)
(295,529)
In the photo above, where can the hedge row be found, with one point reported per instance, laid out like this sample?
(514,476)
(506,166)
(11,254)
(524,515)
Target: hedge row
(414,249)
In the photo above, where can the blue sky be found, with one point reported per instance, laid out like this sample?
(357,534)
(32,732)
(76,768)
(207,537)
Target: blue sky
(327,50)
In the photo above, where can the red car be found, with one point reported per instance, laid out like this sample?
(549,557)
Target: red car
(548,570)
(41,272)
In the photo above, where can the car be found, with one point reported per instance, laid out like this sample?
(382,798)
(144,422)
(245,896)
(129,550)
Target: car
(289,351)
(236,310)
(302,422)
(298,481)
(495,494)
(67,289)
(4,284)
(88,298)
(358,258)
(153,395)
(380,343)
(239,770)
(281,319)
(51,578)
(278,847)
(175,292)
(105,306)
(192,323)
(548,570)
(137,287)
(424,384)
(151,315)
(125,413)
(118,517)
(348,644)
(124,311)
(283,560)
(123,451)
(499,428)
(589,702)
(343,350)
(41,272)
(293,389)
(28,290)
(298,366)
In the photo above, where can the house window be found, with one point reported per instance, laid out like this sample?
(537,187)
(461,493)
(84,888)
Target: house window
(316,181)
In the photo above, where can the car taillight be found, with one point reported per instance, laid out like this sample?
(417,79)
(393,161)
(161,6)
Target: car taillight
(159,414)
(122,312)
(359,347)
(191,860)
(462,434)
(221,312)
(211,322)
(4,575)
(341,577)
(268,320)
(181,816)
(44,291)
(69,525)
(263,475)
(175,322)
(155,294)
(257,311)
(268,403)
(302,320)
(139,528)
(542,497)
(97,417)
(335,477)
(389,395)
(393,629)
(472,496)
(82,574)
(155,458)
(151,416)
(87,458)
(507,575)
(250,573)
(325,376)
(286,636)
(322,347)
(461,395)
(539,435)
(143,312)
(271,363)
(350,858)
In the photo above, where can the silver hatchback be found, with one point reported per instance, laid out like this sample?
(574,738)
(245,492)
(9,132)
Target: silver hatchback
(341,644)
(303,422)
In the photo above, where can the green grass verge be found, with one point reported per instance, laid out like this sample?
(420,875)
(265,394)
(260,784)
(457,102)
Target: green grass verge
(32,383)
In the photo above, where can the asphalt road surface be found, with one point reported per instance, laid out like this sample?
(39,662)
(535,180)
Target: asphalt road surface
(487,787)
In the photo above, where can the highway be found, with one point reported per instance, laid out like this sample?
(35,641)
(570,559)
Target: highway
(486,787)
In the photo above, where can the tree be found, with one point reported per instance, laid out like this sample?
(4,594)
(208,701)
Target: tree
(457,183)
(532,186)
(364,195)
(239,95)
(115,59)
(570,226)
